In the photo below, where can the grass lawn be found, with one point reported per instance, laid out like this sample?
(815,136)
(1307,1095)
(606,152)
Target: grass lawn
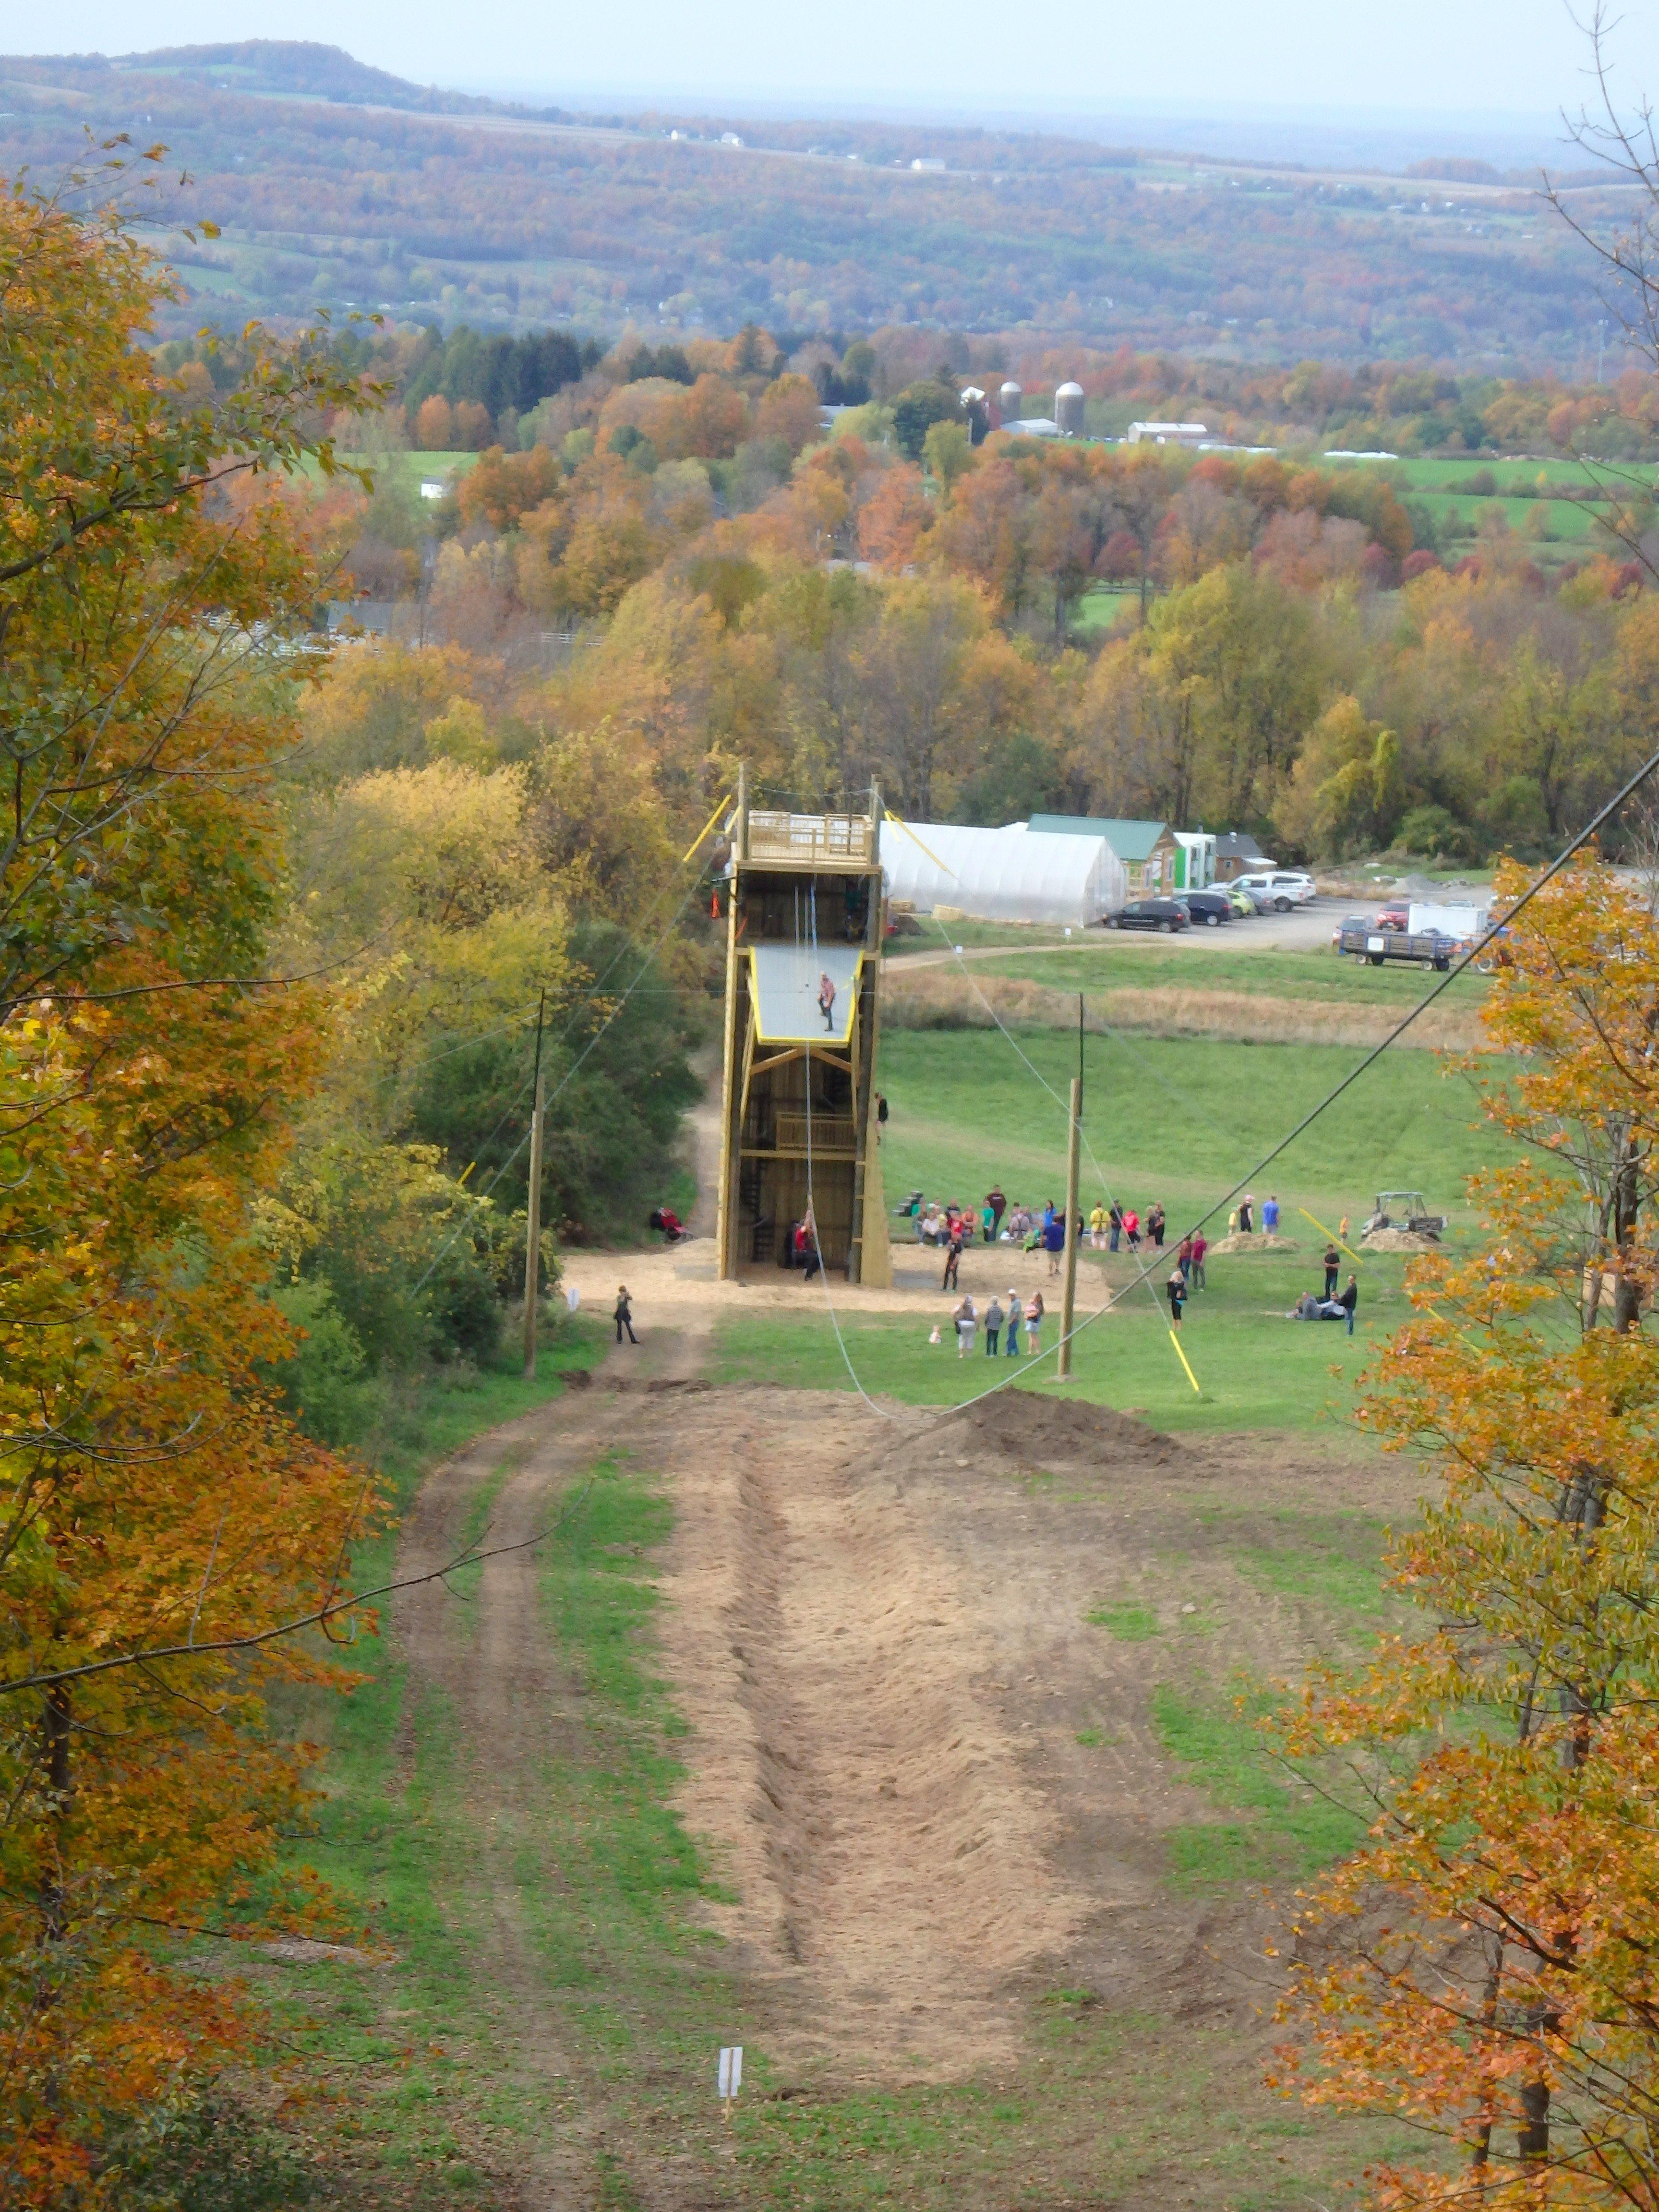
(1107,960)
(1255,1370)
(1173,1119)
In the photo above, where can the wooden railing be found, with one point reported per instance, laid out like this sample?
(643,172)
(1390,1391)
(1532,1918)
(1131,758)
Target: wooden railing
(831,1133)
(843,839)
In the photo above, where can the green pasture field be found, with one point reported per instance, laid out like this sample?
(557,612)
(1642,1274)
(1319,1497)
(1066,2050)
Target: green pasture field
(1419,475)
(1255,1369)
(1108,960)
(1175,1119)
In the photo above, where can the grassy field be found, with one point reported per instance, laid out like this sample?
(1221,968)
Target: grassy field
(1107,960)
(1173,1119)
(1255,1369)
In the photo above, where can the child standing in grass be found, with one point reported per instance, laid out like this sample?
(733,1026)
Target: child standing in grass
(1033,1323)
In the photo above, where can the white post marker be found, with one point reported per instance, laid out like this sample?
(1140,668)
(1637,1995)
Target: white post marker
(730,2075)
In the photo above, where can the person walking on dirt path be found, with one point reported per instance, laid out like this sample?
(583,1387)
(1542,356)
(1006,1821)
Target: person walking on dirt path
(1270,1217)
(967,1321)
(827,999)
(1053,1239)
(1033,1323)
(1195,1273)
(1114,1226)
(1333,1263)
(1155,1226)
(1350,1299)
(1176,1288)
(952,1259)
(623,1315)
(993,1325)
(1245,1218)
(999,1206)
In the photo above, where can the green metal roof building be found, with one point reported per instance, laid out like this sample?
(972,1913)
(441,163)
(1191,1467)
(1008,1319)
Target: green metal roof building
(1152,860)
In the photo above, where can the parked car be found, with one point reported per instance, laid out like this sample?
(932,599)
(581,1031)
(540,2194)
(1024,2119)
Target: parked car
(1283,888)
(1243,902)
(1397,916)
(1151,913)
(1210,909)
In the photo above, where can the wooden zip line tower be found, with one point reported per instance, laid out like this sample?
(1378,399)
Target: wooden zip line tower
(802,957)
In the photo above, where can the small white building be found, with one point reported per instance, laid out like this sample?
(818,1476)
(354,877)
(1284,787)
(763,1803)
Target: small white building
(1001,875)
(927,161)
(1167,434)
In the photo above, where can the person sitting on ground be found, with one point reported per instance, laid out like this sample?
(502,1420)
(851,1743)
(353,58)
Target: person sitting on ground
(1307,1307)
(928,1223)
(1016,1316)
(967,1321)
(993,1326)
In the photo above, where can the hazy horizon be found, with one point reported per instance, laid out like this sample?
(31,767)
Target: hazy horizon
(1268,66)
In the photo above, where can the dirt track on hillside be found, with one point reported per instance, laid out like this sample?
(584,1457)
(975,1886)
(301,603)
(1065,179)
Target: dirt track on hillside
(876,1632)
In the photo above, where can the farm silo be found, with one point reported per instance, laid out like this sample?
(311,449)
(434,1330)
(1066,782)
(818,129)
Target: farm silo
(1008,402)
(1068,411)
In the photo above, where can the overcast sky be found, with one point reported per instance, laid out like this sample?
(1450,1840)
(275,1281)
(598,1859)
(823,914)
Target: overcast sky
(1510,56)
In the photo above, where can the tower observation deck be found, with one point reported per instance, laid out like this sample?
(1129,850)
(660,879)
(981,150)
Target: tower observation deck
(797,1126)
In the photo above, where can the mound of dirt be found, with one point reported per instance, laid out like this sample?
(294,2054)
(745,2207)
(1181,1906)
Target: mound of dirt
(1398,1240)
(1022,1425)
(1257,1241)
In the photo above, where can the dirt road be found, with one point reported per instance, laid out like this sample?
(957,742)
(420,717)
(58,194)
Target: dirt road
(932,1785)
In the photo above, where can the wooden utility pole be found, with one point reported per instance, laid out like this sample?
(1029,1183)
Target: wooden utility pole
(1069,1297)
(532,1250)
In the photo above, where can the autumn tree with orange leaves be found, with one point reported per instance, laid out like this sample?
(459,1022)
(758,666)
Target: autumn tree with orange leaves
(1487,1968)
(156,1509)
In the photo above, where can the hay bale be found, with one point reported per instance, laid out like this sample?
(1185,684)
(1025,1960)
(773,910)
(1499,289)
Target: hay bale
(1257,1241)
(1398,1240)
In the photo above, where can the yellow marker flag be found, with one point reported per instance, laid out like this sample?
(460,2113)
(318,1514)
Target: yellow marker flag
(1181,1357)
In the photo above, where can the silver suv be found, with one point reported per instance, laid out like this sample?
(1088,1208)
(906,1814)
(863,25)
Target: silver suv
(1282,888)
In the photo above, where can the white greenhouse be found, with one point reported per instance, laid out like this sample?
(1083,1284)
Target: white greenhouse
(1001,875)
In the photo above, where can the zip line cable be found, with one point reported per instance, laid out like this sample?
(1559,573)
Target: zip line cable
(811,1203)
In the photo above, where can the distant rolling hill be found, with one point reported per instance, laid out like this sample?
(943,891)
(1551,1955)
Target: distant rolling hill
(337,185)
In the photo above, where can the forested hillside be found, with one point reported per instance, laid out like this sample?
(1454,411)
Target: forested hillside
(511,219)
